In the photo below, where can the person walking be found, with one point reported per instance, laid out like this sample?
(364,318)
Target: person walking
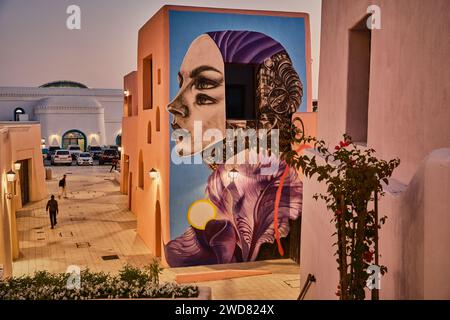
(114,164)
(52,208)
(62,187)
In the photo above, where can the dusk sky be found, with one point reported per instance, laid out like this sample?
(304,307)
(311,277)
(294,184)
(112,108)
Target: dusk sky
(36,47)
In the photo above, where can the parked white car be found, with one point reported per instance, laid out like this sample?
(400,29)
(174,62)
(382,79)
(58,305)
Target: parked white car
(85,159)
(74,150)
(62,157)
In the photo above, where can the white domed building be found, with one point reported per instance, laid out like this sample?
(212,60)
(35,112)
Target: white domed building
(69,112)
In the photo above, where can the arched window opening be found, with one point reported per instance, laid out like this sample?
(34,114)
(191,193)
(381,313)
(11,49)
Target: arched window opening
(158,120)
(17,113)
(119,140)
(149,132)
(141,171)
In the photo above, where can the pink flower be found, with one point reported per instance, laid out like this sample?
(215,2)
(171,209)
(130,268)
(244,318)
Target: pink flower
(338,292)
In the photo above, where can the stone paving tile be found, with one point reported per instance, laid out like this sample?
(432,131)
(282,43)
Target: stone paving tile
(264,287)
(96,212)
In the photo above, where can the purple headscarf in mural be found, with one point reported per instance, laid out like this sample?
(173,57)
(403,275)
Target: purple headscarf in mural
(247,47)
(245,217)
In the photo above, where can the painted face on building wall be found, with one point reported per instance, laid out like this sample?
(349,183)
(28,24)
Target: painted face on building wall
(276,93)
(202,94)
(236,217)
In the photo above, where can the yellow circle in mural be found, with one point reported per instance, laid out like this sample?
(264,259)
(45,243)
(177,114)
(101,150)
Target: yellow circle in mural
(200,213)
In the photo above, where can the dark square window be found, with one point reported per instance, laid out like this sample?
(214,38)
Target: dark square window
(235,98)
(240,91)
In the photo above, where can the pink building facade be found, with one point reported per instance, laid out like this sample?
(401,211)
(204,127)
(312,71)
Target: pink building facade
(388,88)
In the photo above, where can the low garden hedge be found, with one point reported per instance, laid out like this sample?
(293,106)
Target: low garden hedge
(130,283)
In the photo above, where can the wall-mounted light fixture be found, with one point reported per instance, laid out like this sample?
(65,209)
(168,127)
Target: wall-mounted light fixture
(153,174)
(10,176)
(233,174)
(17,166)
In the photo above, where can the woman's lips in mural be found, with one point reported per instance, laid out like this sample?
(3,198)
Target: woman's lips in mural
(176,126)
(180,137)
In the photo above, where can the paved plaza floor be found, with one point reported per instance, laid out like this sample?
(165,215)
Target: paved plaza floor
(96,230)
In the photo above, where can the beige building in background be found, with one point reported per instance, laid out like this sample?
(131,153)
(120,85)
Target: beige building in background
(20,143)
(69,112)
(389,89)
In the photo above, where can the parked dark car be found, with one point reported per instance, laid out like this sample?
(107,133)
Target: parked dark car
(108,155)
(114,147)
(95,151)
(51,151)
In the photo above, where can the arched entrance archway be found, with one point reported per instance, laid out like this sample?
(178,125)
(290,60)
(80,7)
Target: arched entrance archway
(17,113)
(74,137)
(158,237)
(119,140)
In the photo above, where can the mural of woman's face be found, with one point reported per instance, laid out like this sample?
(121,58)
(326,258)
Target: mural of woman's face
(202,93)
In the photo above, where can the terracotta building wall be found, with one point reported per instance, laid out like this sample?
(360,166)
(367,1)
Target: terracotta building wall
(153,41)
(129,135)
(141,154)
(17,142)
(130,87)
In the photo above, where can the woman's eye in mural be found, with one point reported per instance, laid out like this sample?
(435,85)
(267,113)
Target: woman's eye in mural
(203,99)
(203,83)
